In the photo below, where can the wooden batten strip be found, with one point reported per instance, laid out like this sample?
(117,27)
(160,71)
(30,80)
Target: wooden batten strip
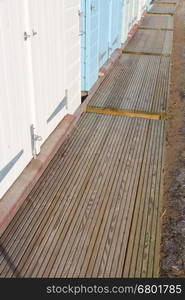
(159,14)
(155,28)
(164,3)
(145,53)
(124,112)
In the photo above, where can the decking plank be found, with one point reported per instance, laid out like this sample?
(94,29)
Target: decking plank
(158,22)
(151,41)
(160,9)
(149,251)
(166,2)
(149,185)
(141,86)
(146,215)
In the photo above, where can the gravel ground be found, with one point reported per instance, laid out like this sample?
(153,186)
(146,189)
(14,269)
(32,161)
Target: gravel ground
(172,262)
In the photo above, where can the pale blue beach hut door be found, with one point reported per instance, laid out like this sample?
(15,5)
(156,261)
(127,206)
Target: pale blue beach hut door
(89,42)
(100,30)
(104,23)
(115,25)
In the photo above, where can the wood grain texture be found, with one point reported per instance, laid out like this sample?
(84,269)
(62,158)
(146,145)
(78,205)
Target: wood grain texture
(151,41)
(129,113)
(166,2)
(77,220)
(95,211)
(162,10)
(157,22)
(138,86)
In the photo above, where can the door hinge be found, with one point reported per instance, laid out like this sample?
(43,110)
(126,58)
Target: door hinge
(35,138)
(26,36)
(29,35)
(81,22)
(93,7)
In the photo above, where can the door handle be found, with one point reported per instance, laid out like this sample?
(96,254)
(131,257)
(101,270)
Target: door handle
(34,32)
(93,7)
(81,14)
(26,36)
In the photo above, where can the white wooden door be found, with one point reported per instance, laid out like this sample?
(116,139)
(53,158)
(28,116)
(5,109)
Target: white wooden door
(46,21)
(15,94)
(39,44)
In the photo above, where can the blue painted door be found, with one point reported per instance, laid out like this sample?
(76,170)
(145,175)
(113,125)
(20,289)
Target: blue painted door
(104,10)
(89,42)
(82,29)
(100,30)
(115,24)
(92,29)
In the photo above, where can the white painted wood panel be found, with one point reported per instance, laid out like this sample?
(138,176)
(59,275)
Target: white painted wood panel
(72,53)
(46,18)
(39,77)
(15,111)
(56,61)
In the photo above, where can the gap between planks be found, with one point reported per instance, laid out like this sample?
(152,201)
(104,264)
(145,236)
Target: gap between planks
(155,28)
(125,112)
(145,53)
(164,3)
(159,14)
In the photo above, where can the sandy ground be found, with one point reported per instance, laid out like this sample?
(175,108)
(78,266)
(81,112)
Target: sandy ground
(173,218)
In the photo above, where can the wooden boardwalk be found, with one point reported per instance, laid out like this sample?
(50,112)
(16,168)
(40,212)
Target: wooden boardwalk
(95,211)
(162,10)
(157,22)
(138,82)
(78,219)
(154,42)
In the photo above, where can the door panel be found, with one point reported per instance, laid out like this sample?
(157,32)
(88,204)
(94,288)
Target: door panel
(89,42)
(48,63)
(125,22)
(15,101)
(92,11)
(36,38)
(82,31)
(102,35)
(115,25)
(104,23)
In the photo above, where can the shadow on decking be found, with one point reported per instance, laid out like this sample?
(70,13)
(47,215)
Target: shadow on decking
(95,211)
(9,262)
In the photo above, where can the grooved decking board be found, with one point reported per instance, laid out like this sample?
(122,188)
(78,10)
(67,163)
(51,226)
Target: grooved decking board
(141,256)
(161,9)
(158,22)
(139,83)
(166,2)
(77,220)
(125,112)
(151,41)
